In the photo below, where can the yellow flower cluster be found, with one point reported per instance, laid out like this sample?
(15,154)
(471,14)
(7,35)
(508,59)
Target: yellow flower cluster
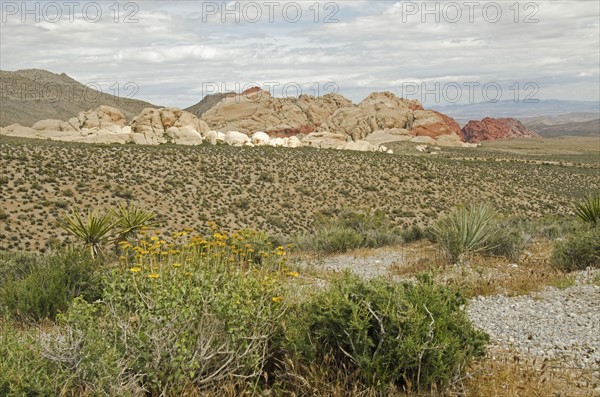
(164,255)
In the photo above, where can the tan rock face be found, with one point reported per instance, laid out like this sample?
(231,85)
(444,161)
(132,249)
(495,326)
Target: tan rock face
(490,129)
(381,112)
(161,125)
(101,117)
(256,110)
(385,115)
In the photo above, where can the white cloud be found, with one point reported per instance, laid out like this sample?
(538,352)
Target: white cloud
(175,47)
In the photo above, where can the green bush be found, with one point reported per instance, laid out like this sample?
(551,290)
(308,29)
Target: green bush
(507,241)
(16,265)
(340,231)
(412,335)
(23,370)
(466,230)
(578,251)
(45,285)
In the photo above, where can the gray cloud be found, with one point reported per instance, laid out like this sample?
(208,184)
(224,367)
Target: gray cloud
(174,48)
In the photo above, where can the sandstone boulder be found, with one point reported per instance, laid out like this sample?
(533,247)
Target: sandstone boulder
(260,138)
(156,126)
(360,146)
(236,138)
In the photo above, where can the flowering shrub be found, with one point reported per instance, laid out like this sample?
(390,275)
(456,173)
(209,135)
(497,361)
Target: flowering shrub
(183,310)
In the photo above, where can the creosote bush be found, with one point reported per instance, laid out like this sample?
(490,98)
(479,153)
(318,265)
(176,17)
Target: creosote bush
(340,231)
(36,287)
(578,251)
(416,336)
(179,312)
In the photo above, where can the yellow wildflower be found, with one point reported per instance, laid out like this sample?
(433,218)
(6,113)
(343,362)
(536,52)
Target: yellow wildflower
(135,269)
(293,274)
(176,264)
(154,275)
(277,298)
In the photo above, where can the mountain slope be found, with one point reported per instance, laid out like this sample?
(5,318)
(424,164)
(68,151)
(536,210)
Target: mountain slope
(581,128)
(31,95)
(207,102)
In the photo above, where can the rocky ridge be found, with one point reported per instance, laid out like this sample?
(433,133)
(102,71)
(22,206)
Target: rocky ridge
(254,117)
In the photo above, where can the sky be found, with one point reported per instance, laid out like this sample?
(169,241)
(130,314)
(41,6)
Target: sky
(173,53)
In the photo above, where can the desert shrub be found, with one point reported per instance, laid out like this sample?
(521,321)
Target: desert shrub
(411,335)
(180,312)
(412,234)
(46,285)
(507,241)
(16,265)
(465,230)
(589,209)
(330,239)
(578,251)
(340,231)
(23,370)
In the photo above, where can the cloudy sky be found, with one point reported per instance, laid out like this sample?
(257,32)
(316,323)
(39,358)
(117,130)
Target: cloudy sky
(440,52)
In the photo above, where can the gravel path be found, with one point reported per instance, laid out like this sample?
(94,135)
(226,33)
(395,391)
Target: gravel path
(561,325)
(375,264)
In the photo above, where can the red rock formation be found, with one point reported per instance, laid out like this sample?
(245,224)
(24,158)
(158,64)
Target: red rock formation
(251,90)
(440,125)
(490,129)
(291,131)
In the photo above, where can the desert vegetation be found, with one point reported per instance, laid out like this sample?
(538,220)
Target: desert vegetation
(270,189)
(168,271)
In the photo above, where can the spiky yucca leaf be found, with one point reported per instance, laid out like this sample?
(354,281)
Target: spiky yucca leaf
(130,218)
(92,229)
(466,230)
(589,209)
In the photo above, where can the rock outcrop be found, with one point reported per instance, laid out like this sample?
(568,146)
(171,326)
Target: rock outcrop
(382,117)
(490,129)
(256,110)
(108,125)
(331,120)
(155,126)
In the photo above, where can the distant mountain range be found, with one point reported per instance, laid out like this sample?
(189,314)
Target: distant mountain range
(27,96)
(565,125)
(520,110)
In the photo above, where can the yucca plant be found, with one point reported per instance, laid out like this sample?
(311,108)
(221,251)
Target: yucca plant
(466,230)
(93,229)
(589,209)
(130,219)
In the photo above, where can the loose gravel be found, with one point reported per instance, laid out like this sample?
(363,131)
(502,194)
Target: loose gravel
(559,325)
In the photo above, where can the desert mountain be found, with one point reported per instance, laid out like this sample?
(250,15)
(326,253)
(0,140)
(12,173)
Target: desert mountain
(32,95)
(490,129)
(518,109)
(207,102)
(581,128)
(570,124)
